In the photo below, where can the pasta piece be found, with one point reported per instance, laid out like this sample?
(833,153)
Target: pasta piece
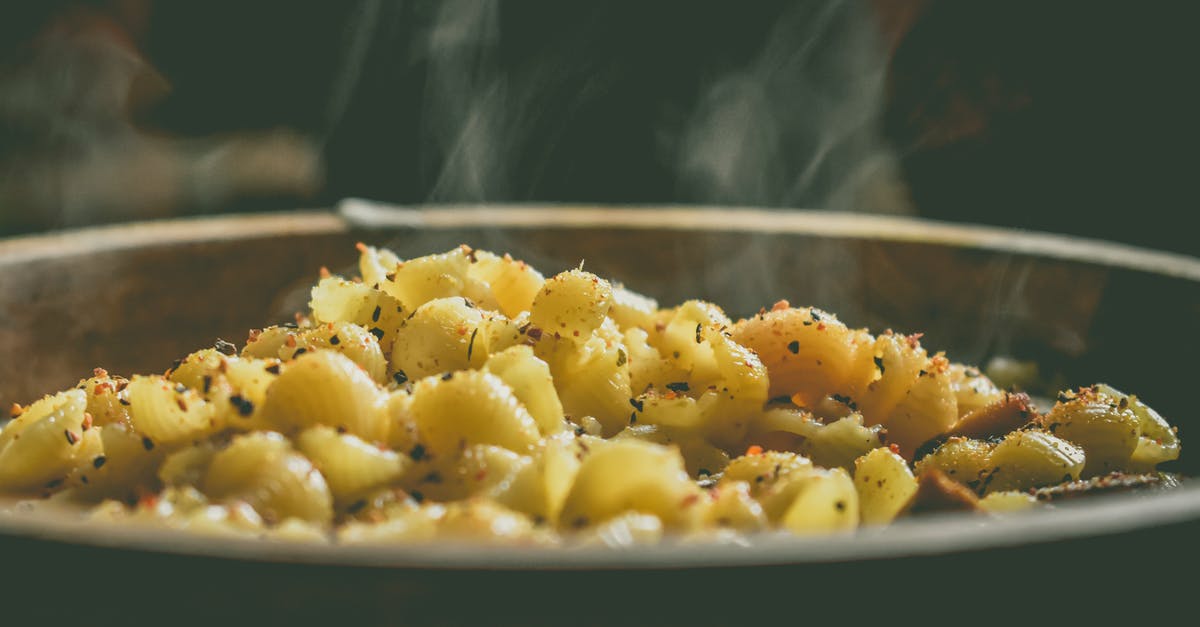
(825,502)
(592,376)
(340,301)
(351,467)
(530,380)
(571,305)
(346,338)
(836,444)
(470,407)
(1157,442)
(327,388)
(263,470)
(1104,427)
(513,284)
(1007,502)
(123,469)
(1031,459)
(419,281)
(625,531)
(374,264)
(884,483)
(43,445)
(962,459)
(167,413)
(733,507)
(630,475)
(443,335)
(631,310)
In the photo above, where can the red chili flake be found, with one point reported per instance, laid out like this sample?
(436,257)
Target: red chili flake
(820,326)
(361,247)
(754,449)
(689,500)
(101,388)
(253,336)
(325,274)
(462,329)
(72,438)
(99,373)
(895,448)
(914,340)
(148,500)
(291,341)
(180,403)
(87,421)
(481,474)
(781,305)
(16,410)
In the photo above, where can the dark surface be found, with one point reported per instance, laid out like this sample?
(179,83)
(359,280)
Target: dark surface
(1075,117)
(1130,575)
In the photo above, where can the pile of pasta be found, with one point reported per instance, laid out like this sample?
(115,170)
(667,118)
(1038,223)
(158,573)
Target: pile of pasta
(464,395)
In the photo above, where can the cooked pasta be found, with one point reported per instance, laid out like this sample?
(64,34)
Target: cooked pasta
(464,395)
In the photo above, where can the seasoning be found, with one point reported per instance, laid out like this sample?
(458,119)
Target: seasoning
(273,369)
(400,378)
(71,437)
(99,462)
(375,314)
(698,327)
(243,405)
(879,365)
(334,340)
(207,383)
(638,405)
(377,332)
(754,449)
(793,347)
(417,453)
(622,358)
(225,348)
(471,343)
(148,444)
(678,386)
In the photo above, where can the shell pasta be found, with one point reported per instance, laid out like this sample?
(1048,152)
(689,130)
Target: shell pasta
(465,395)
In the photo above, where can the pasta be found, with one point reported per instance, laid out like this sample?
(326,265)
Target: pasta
(464,395)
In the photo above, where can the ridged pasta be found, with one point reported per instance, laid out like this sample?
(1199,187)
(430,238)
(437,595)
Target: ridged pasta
(351,467)
(327,388)
(264,470)
(471,407)
(43,445)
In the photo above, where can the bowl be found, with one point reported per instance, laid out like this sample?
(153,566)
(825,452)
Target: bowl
(133,298)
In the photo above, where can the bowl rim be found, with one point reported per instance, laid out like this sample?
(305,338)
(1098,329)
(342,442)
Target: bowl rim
(935,535)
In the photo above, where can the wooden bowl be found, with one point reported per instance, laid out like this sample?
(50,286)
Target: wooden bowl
(133,298)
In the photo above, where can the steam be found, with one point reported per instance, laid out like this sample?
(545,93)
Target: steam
(796,127)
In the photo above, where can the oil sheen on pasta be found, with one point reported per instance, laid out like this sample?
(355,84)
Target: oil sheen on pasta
(464,395)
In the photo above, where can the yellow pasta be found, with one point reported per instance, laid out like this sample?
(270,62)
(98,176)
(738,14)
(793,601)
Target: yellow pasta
(464,396)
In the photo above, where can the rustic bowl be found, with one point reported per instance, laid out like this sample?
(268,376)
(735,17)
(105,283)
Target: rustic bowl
(134,297)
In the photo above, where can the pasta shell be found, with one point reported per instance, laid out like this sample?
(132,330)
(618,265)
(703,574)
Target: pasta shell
(262,469)
(326,388)
(43,445)
(571,304)
(471,407)
(630,475)
(530,380)
(442,335)
(167,413)
(351,467)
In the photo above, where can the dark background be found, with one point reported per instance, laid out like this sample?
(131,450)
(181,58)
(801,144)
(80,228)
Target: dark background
(1066,116)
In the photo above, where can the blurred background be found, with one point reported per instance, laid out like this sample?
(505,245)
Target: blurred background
(1065,116)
